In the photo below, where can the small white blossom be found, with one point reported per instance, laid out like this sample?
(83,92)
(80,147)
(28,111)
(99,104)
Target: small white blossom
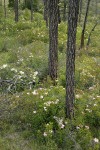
(4,66)
(19,77)
(91,88)
(50,131)
(45,108)
(96,140)
(34,77)
(95,104)
(21,72)
(88,110)
(34,111)
(17,96)
(82,112)
(46,93)
(57,100)
(35,73)
(40,88)
(28,93)
(41,96)
(62,126)
(31,56)
(35,92)
(77,96)
(77,127)
(59,121)
(87,127)
(98,96)
(45,134)
(21,59)
(13,69)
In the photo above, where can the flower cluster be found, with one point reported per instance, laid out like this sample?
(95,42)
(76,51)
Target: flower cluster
(60,122)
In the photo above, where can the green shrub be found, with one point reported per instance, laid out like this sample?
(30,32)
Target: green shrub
(14,80)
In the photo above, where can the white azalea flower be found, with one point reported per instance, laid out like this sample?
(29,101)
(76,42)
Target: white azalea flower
(96,140)
(45,108)
(4,66)
(87,127)
(28,93)
(77,96)
(34,111)
(13,69)
(95,104)
(77,127)
(98,96)
(41,96)
(62,126)
(35,92)
(45,134)
(35,73)
(21,72)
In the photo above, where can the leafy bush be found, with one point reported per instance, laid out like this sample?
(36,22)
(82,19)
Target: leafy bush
(13,80)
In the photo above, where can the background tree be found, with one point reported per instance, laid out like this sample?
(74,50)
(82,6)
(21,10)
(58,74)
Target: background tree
(96,7)
(16,10)
(64,11)
(84,25)
(59,18)
(80,10)
(70,63)
(1,3)
(5,8)
(53,39)
(46,11)
(31,10)
(89,37)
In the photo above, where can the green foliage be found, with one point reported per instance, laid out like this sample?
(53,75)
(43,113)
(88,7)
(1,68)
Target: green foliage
(31,109)
(38,113)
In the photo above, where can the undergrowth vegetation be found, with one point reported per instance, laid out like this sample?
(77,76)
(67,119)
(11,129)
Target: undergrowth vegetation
(32,110)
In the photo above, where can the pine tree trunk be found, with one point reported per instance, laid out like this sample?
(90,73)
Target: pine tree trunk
(64,11)
(84,25)
(16,10)
(89,38)
(53,39)
(46,11)
(31,10)
(59,18)
(5,8)
(70,61)
(80,11)
(25,3)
